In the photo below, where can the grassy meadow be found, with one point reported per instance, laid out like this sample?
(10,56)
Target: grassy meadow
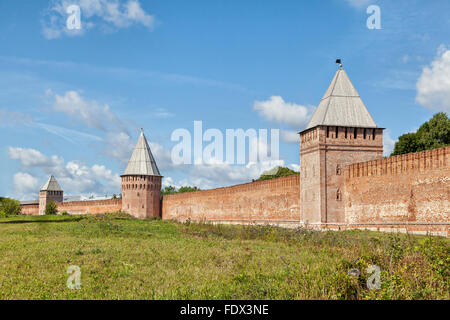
(124,258)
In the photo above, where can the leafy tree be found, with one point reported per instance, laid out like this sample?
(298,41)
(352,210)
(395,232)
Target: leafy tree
(168,190)
(435,133)
(282,172)
(9,207)
(172,190)
(51,208)
(406,143)
(188,189)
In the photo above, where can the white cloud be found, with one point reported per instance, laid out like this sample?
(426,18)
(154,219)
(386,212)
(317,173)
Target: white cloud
(26,185)
(28,157)
(290,136)
(294,166)
(90,112)
(106,14)
(169,181)
(276,109)
(119,146)
(75,177)
(219,175)
(388,143)
(433,86)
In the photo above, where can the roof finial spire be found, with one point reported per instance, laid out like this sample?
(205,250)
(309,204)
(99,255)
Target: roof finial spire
(142,131)
(339,61)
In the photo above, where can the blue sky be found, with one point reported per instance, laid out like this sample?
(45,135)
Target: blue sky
(71,104)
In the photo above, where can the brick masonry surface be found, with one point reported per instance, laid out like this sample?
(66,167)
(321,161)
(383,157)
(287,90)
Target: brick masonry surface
(406,193)
(274,201)
(80,207)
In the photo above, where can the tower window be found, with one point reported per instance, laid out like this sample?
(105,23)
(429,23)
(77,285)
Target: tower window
(373,134)
(338,195)
(345,133)
(338,170)
(365,133)
(355,133)
(328,132)
(337,131)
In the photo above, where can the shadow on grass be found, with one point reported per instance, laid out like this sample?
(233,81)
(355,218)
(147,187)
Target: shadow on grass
(42,221)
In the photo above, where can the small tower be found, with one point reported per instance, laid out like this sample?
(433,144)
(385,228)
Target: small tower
(341,132)
(51,191)
(141,183)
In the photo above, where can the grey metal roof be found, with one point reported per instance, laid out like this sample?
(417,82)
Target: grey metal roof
(142,161)
(341,105)
(51,185)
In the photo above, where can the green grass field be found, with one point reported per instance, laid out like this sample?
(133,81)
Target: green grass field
(124,258)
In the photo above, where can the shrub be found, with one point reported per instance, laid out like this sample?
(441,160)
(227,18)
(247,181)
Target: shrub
(64,213)
(9,207)
(51,208)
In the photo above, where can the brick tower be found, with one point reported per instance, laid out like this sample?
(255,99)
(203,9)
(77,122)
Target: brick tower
(341,132)
(141,183)
(51,191)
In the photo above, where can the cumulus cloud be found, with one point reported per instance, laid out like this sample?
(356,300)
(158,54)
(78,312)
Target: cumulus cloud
(28,157)
(117,142)
(75,177)
(169,181)
(208,176)
(290,136)
(90,112)
(26,185)
(276,109)
(433,86)
(118,145)
(107,14)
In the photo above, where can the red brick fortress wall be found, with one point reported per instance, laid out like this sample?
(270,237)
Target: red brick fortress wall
(273,201)
(91,207)
(409,192)
(79,207)
(29,209)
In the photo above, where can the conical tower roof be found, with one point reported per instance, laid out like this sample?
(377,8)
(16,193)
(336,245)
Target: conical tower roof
(142,161)
(341,105)
(51,185)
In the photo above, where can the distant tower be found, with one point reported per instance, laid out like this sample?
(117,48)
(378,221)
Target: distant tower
(341,132)
(51,191)
(141,183)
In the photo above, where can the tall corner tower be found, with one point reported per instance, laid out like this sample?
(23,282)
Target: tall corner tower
(50,191)
(141,183)
(341,132)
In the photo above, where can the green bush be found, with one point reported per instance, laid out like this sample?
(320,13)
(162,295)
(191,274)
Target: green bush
(9,207)
(51,208)
(64,213)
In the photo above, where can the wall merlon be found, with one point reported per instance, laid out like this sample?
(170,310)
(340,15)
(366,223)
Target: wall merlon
(421,161)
